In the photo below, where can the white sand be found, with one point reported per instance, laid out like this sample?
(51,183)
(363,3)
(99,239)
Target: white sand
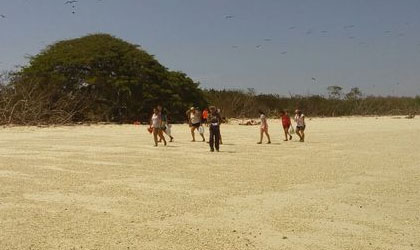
(355,184)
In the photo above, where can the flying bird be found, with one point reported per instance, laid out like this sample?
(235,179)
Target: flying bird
(349,26)
(267,39)
(258,46)
(283,53)
(235,46)
(2,16)
(308,32)
(71,2)
(229,17)
(351,37)
(324,31)
(292,27)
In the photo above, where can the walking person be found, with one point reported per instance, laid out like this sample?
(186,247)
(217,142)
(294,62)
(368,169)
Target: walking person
(263,128)
(300,124)
(286,122)
(219,111)
(165,123)
(214,123)
(205,116)
(155,126)
(194,120)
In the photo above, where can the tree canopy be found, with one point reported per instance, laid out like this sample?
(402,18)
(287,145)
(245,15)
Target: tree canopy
(117,81)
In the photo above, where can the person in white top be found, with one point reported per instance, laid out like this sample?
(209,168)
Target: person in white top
(263,128)
(300,124)
(156,127)
(194,121)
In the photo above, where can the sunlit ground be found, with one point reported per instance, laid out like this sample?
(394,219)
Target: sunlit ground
(353,185)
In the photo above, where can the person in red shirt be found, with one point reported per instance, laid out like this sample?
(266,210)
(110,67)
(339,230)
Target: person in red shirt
(205,116)
(286,122)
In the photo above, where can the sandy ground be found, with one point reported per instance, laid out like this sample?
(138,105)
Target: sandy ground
(355,184)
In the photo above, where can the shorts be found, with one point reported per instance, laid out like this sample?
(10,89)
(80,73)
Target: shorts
(286,126)
(265,129)
(196,125)
(204,120)
(301,127)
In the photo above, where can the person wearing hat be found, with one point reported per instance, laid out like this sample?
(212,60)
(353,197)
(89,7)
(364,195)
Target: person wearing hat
(300,124)
(194,120)
(214,126)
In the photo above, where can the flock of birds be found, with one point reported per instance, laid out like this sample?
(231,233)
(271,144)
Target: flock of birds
(348,29)
(72,3)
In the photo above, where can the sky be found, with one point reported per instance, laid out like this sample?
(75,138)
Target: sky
(273,46)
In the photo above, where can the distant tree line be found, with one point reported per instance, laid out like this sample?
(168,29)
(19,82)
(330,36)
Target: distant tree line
(100,78)
(246,103)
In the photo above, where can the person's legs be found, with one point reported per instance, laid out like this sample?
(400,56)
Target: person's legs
(170,135)
(162,137)
(155,136)
(286,132)
(163,130)
(192,133)
(211,140)
(303,134)
(217,138)
(268,136)
(168,132)
(261,135)
(202,136)
(298,132)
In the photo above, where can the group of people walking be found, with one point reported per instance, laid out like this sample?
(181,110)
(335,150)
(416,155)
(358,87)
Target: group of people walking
(159,124)
(287,126)
(211,118)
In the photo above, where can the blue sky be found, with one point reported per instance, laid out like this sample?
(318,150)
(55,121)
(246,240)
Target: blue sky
(273,46)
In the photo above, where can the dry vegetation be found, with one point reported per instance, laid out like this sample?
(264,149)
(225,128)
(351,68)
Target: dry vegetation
(237,103)
(26,105)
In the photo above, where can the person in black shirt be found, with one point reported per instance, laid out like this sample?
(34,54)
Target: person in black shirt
(214,121)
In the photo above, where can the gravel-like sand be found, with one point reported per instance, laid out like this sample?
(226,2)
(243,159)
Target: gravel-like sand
(355,184)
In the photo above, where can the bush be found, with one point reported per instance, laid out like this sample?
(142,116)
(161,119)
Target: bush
(95,78)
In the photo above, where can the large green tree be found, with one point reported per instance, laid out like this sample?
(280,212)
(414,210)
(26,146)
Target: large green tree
(120,81)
